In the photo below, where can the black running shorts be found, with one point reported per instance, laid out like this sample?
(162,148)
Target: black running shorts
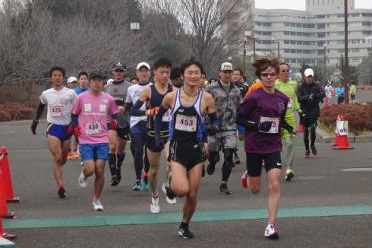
(123,133)
(255,161)
(188,154)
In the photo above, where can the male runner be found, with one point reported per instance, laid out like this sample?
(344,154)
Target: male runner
(71,82)
(309,95)
(189,105)
(90,114)
(227,97)
(153,96)
(138,128)
(82,82)
(289,88)
(60,101)
(118,138)
(263,113)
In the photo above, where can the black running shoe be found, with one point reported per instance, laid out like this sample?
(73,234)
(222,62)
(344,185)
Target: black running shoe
(307,154)
(114,180)
(210,169)
(185,233)
(314,151)
(224,190)
(118,173)
(203,172)
(61,191)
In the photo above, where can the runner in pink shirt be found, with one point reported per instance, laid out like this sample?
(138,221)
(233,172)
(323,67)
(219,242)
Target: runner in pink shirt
(90,114)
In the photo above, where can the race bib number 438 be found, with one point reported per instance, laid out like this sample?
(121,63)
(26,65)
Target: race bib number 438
(186,123)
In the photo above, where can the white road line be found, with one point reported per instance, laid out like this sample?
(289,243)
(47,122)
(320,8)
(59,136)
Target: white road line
(363,169)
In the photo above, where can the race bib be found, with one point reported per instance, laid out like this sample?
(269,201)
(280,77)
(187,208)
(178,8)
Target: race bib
(56,110)
(274,126)
(186,123)
(93,127)
(166,116)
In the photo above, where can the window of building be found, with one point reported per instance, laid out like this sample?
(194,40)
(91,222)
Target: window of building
(355,50)
(286,50)
(367,24)
(286,41)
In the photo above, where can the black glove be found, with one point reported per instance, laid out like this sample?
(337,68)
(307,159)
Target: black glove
(265,126)
(290,130)
(33,126)
(212,130)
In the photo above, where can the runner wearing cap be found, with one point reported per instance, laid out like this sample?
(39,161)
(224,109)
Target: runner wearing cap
(118,138)
(227,97)
(309,95)
(90,113)
(289,88)
(153,96)
(71,82)
(60,101)
(263,113)
(138,127)
(189,105)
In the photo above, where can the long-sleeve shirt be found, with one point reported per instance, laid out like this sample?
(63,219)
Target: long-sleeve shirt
(289,89)
(310,105)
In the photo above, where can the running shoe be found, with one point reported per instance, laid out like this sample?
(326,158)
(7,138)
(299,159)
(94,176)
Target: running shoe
(61,191)
(97,206)
(83,180)
(313,150)
(170,197)
(210,169)
(70,156)
(75,154)
(114,180)
(118,173)
(154,207)
(185,233)
(244,179)
(145,184)
(271,232)
(289,174)
(224,190)
(307,154)
(137,186)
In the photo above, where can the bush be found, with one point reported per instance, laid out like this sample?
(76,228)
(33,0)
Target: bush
(11,111)
(359,116)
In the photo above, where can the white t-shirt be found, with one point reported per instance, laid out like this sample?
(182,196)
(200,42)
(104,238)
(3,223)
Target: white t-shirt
(133,94)
(60,104)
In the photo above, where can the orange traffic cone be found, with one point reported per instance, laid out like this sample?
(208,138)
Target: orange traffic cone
(3,207)
(300,128)
(4,234)
(9,193)
(342,143)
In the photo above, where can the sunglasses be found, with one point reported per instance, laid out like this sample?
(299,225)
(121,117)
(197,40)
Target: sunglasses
(265,74)
(284,71)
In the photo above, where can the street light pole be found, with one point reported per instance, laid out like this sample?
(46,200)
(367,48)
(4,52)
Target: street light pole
(278,42)
(346,69)
(325,64)
(244,56)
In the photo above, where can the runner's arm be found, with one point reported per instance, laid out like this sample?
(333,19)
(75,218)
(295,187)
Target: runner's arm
(141,100)
(39,112)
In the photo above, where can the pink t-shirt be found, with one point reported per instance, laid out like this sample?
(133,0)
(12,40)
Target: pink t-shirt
(94,112)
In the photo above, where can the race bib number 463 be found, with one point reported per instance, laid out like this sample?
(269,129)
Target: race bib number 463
(186,123)
(274,124)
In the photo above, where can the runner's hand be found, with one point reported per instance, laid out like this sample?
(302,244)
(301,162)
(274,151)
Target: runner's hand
(265,126)
(69,130)
(152,112)
(77,131)
(33,126)
(113,124)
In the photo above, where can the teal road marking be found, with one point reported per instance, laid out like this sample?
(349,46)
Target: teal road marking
(221,215)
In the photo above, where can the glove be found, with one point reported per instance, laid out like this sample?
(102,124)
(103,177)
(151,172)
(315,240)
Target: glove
(212,130)
(33,126)
(113,124)
(265,126)
(152,112)
(69,130)
(290,130)
(311,97)
(77,131)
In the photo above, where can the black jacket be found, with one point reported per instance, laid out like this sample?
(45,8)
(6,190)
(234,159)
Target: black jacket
(309,97)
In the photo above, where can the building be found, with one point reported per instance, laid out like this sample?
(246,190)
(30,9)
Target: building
(315,35)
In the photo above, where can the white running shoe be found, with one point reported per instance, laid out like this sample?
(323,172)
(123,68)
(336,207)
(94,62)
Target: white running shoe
(169,200)
(154,207)
(271,232)
(97,206)
(83,180)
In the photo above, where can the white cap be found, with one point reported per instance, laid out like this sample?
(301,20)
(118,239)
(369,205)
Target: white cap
(309,72)
(71,79)
(227,66)
(143,64)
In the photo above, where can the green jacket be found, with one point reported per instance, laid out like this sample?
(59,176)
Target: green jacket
(353,89)
(289,89)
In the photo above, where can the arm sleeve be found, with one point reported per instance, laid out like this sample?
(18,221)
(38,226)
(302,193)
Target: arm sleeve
(302,98)
(136,109)
(128,106)
(158,120)
(76,109)
(284,124)
(74,120)
(39,110)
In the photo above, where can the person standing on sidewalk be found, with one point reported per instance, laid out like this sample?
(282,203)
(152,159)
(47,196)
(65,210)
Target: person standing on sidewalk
(289,88)
(309,95)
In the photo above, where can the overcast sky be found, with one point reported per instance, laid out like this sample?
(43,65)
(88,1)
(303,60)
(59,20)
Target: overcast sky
(300,4)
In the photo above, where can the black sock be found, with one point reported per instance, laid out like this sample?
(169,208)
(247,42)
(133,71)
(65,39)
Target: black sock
(120,160)
(112,163)
(184,225)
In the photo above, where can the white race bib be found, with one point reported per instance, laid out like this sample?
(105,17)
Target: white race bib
(93,127)
(87,107)
(186,123)
(56,110)
(274,126)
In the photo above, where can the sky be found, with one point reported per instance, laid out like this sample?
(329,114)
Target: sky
(300,4)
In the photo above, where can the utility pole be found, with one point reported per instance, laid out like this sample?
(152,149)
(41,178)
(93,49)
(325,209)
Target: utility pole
(346,69)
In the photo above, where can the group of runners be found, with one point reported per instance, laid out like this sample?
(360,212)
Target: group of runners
(190,122)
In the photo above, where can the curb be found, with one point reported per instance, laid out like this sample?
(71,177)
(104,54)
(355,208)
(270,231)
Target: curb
(326,138)
(4,243)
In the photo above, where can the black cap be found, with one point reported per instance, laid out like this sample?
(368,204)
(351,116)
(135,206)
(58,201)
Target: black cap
(119,67)
(96,74)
